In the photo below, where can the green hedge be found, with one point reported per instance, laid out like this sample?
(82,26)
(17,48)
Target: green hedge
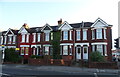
(12,56)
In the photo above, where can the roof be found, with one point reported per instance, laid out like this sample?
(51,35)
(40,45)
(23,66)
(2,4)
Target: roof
(82,24)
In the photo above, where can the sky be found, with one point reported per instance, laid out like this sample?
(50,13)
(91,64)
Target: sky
(36,13)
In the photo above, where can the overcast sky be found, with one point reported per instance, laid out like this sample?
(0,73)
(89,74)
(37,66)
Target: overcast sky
(37,13)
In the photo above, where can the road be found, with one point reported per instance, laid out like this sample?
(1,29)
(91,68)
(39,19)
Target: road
(37,71)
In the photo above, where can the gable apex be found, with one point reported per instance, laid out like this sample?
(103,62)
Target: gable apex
(46,27)
(99,23)
(65,23)
(23,30)
(9,30)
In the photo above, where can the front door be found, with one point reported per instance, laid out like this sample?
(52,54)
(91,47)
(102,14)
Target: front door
(78,53)
(85,52)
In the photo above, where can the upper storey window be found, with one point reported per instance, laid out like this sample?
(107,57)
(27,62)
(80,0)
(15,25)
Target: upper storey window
(99,33)
(47,36)
(84,34)
(65,35)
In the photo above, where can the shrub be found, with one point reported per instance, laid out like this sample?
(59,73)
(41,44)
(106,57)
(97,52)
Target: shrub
(96,57)
(12,56)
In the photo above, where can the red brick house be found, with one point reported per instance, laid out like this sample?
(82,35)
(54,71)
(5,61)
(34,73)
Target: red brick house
(9,38)
(78,40)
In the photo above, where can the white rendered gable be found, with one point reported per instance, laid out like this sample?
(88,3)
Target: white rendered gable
(23,31)
(99,23)
(9,30)
(65,26)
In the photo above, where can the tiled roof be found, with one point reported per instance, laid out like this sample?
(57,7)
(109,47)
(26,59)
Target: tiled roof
(82,24)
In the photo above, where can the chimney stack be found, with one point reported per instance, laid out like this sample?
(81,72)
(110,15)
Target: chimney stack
(60,22)
(26,26)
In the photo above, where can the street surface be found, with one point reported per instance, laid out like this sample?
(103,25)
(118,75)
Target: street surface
(15,70)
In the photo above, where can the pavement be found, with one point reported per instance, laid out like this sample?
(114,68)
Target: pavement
(67,69)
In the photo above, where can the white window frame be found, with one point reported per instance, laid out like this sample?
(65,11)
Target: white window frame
(93,48)
(93,34)
(65,35)
(38,37)
(34,37)
(70,34)
(78,34)
(99,33)
(105,50)
(51,35)
(14,39)
(9,39)
(27,51)
(70,50)
(47,36)
(21,51)
(104,33)
(84,34)
(46,50)
(60,50)
(27,38)
(100,49)
(23,38)
(1,40)
(65,50)
(5,39)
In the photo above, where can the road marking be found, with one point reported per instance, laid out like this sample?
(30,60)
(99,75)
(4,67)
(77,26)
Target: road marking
(95,74)
(4,74)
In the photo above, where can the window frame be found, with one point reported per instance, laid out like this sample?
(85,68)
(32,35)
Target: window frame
(65,35)
(99,33)
(47,36)
(85,34)
(65,50)
(78,33)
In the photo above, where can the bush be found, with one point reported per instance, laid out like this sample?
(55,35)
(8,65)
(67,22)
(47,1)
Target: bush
(12,56)
(36,56)
(96,57)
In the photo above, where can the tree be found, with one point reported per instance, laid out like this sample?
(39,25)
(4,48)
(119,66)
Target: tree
(56,45)
(96,57)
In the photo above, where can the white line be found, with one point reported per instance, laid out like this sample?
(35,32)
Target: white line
(95,74)
(4,74)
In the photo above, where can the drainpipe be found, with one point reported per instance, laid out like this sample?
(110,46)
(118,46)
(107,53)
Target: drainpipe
(74,45)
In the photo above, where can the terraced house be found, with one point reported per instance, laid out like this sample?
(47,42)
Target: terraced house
(78,40)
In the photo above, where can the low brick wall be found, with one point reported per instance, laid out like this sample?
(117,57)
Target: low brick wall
(48,62)
(109,65)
